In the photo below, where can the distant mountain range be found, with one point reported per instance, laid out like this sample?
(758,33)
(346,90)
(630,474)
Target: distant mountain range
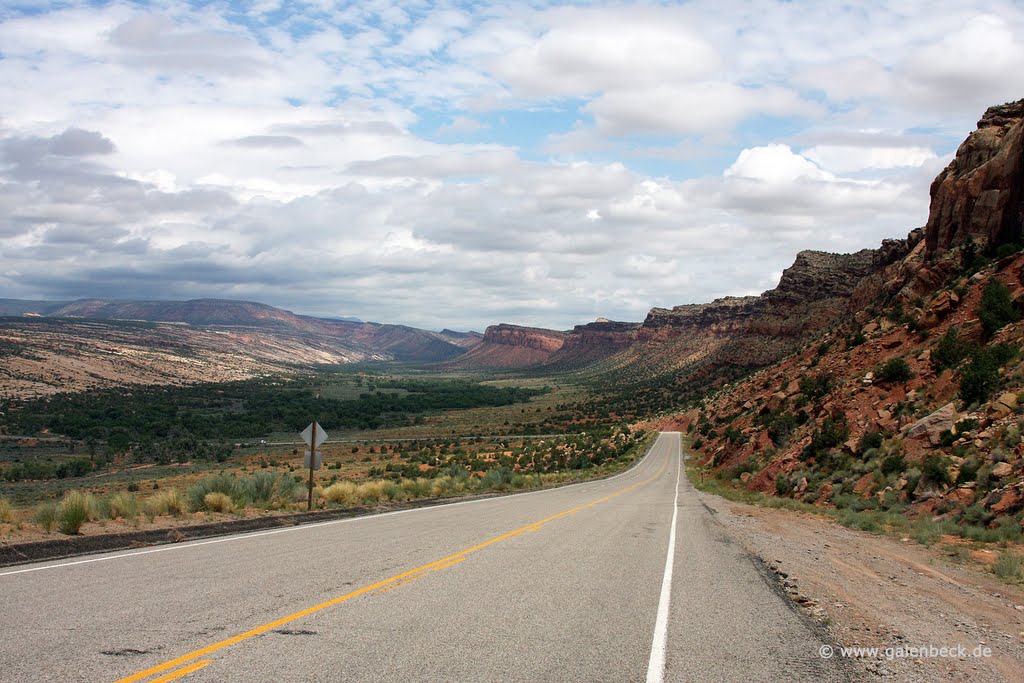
(57,345)
(391,342)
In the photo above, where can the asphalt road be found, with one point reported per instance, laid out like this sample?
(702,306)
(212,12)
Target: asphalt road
(561,585)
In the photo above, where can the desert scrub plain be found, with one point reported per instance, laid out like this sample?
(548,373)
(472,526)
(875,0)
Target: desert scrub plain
(144,457)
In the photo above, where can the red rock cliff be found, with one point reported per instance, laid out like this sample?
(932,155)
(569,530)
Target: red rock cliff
(980,195)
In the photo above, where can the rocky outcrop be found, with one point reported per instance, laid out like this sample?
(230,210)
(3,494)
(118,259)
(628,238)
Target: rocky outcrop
(507,346)
(980,195)
(535,338)
(817,275)
(758,330)
(603,335)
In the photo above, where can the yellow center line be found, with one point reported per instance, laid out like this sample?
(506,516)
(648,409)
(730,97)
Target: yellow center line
(184,671)
(399,579)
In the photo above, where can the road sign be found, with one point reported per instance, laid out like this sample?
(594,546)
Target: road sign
(316,463)
(307,435)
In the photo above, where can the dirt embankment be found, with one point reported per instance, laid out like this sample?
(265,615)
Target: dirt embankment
(887,593)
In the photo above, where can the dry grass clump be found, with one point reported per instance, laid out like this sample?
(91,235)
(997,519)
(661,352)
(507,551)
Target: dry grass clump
(124,505)
(371,492)
(342,493)
(1010,567)
(6,512)
(73,511)
(45,516)
(218,502)
(417,488)
(169,502)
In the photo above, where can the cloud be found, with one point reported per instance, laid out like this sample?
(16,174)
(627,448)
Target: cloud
(699,108)
(267,141)
(460,165)
(591,51)
(75,142)
(847,158)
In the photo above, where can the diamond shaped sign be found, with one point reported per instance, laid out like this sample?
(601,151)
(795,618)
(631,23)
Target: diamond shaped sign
(307,435)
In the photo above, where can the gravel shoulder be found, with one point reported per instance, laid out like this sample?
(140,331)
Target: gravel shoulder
(885,592)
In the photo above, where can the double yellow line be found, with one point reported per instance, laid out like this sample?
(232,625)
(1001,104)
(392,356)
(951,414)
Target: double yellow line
(381,586)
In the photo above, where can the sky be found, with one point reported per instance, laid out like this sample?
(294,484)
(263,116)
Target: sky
(460,164)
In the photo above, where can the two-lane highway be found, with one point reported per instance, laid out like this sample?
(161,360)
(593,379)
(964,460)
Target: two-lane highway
(569,584)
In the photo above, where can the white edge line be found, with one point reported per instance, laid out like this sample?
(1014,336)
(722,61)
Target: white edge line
(656,664)
(304,527)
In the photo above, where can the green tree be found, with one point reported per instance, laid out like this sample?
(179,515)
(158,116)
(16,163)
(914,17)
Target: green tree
(996,309)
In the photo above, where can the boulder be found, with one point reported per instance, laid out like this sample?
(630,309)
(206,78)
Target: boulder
(1002,469)
(931,426)
(1005,501)
(775,401)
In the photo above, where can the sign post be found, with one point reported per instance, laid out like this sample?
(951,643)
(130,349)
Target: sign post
(313,435)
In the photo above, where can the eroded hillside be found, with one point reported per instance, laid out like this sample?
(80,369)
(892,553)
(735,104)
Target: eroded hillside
(913,401)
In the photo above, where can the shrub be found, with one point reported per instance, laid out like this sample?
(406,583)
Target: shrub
(124,505)
(816,386)
(893,464)
(220,483)
(971,258)
(215,501)
(894,370)
(950,350)
(856,340)
(935,469)
(735,436)
(266,489)
(498,478)
(6,511)
(783,485)
(996,308)
(870,439)
(46,516)
(73,511)
(76,467)
(980,378)
(833,432)
(1009,566)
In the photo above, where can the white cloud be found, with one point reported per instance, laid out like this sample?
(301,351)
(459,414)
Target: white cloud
(699,108)
(589,51)
(653,155)
(775,164)
(847,158)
